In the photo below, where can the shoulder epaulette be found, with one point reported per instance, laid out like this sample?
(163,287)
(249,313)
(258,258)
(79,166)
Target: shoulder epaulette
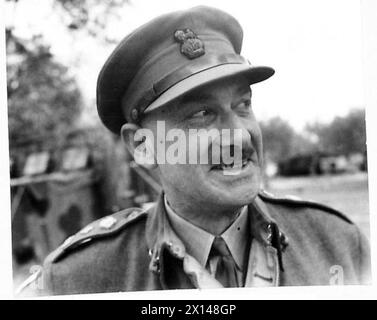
(101,228)
(297,201)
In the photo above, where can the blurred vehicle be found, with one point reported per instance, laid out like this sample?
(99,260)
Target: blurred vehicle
(321,163)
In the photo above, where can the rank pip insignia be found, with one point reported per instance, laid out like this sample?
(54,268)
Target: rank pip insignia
(191,46)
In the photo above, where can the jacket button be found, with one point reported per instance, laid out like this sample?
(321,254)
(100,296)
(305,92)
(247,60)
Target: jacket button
(269,233)
(177,250)
(134,114)
(107,223)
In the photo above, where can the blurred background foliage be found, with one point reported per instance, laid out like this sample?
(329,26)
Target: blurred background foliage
(46,105)
(344,135)
(43,98)
(92,16)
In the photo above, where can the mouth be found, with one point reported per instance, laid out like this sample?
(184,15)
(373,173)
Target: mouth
(234,167)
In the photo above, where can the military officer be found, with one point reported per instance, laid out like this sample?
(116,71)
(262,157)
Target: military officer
(212,226)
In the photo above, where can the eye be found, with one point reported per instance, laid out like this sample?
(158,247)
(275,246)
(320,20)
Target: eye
(244,107)
(245,104)
(201,114)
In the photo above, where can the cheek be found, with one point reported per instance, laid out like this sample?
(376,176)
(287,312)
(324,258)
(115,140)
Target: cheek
(258,138)
(177,171)
(255,130)
(255,133)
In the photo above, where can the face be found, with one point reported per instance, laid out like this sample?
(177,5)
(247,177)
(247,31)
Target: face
(224,104)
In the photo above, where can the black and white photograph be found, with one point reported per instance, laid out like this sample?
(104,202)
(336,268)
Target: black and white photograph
(168,145)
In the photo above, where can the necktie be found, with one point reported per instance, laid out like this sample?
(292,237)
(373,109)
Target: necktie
(226,271)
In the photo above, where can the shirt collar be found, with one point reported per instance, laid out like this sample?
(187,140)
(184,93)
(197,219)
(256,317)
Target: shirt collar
(237,238)
(198,242)
(161,237)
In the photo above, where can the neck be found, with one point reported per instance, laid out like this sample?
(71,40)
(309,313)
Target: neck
(212,219)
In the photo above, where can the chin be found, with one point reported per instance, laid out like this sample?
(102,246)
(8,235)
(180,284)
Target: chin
(242,197)
(238,194)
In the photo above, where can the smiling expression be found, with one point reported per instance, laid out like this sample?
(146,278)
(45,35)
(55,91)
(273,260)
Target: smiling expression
(223,104)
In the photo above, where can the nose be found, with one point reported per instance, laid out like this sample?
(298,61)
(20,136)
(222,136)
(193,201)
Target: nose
(239,128)
(234,141)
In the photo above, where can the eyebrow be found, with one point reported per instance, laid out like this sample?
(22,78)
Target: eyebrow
(195,95)
(243,91)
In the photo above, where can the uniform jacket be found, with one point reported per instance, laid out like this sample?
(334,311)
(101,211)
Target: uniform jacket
(294,243)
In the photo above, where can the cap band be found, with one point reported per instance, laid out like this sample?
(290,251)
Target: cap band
(192,67)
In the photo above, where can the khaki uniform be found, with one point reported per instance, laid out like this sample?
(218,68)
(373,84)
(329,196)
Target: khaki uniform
(294,243)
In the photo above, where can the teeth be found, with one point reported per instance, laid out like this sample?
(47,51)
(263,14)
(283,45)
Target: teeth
(232,166)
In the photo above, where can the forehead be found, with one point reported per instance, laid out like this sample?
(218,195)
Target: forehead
(230,89)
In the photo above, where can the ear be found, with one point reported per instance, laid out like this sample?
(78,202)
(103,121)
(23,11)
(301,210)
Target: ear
(140,143)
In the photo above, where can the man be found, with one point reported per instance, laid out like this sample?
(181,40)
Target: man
(212,226)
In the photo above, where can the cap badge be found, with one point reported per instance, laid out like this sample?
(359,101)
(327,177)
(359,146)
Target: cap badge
(191,46)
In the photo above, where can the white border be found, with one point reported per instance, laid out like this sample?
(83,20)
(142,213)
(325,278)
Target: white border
(6,286)
(369,15)
(369,28)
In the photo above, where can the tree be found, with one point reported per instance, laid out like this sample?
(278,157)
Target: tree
(43,99)
(89,16)
(281,141)
(344,135)
(277,138)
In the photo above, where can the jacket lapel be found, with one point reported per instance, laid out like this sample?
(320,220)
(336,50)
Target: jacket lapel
(177,269)
(169,260)
(265,257)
